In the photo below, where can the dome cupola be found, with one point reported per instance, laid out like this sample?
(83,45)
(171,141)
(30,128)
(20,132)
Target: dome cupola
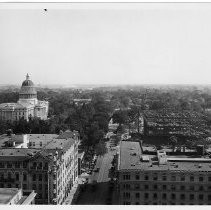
(28,90)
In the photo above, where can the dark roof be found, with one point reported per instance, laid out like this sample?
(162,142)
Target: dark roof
(27,82)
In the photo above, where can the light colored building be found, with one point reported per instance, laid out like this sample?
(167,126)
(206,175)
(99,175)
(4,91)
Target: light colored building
(50,170)
(27,106)
(161,179)
(15,196)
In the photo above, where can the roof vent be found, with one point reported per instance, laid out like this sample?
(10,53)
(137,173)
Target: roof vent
(132,164)
(133,154)
(200,166)
(11,153)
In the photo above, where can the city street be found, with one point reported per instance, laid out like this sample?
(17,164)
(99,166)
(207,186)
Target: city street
(100,193)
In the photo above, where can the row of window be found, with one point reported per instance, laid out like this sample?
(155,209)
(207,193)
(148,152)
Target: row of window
(166,187)
(183,178)
(163,203)
(13,164)
(16,176)
(171,196)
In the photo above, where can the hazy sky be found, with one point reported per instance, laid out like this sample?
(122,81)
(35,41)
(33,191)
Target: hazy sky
(106,46)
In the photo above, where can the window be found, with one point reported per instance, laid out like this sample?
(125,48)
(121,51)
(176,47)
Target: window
(137,195)
(24,164)
(24,177)
(191,188)
(192,178)
(201,196)
(17,176)
(201,188)
(182,187)
(1,176)
(126,195)
(182,178)
(164,178)
(209,178)
(173,178)
(17,164)
(155,187)
(9,165)
(9,175)
(30,144)
(137,177)
(146,195)
(155,177)
(24,186)
(34,177)
(40,144)
(173,187)
(46,177)
(40,177)
(126,186)
(155,195)
(126,177)
(201,178)
(191,196)
(146,177)
(182,196)
(17,185)
(40,186)
(9,185)
(1,165)
(164,195)
(173,196)
(34,187)
(146,187)
(33,144)
(164,187)
(137,186)
(137,203)
(209,197)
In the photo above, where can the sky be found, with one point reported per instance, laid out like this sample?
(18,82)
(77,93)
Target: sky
(147,44)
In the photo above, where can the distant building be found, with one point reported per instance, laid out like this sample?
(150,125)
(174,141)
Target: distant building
(27,105)
(15,196)
(81,101)
(162,179)
(48,165)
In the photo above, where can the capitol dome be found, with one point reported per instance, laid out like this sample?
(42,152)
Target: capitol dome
(28,90)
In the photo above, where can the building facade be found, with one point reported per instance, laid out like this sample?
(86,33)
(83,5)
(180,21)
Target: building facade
(27,106)
(50,171)
(162,179)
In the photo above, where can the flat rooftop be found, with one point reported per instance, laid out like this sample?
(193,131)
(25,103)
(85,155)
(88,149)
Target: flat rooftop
(6,194)
(131,159)
(37,137)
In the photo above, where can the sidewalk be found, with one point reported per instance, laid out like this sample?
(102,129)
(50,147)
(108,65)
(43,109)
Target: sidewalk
(74,192)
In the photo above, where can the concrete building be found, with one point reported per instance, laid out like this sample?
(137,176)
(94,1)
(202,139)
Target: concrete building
(50,170)
(27,106)
(15,196)
(162,179)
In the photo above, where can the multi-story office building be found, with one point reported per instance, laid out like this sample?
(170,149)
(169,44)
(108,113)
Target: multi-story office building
(27,105)
(15,196)
(161,179)
(50,170)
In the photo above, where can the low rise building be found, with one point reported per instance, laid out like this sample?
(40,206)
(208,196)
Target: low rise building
(162,179)
(15,196)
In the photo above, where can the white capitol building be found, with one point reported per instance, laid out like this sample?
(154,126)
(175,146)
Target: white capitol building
(27,106)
